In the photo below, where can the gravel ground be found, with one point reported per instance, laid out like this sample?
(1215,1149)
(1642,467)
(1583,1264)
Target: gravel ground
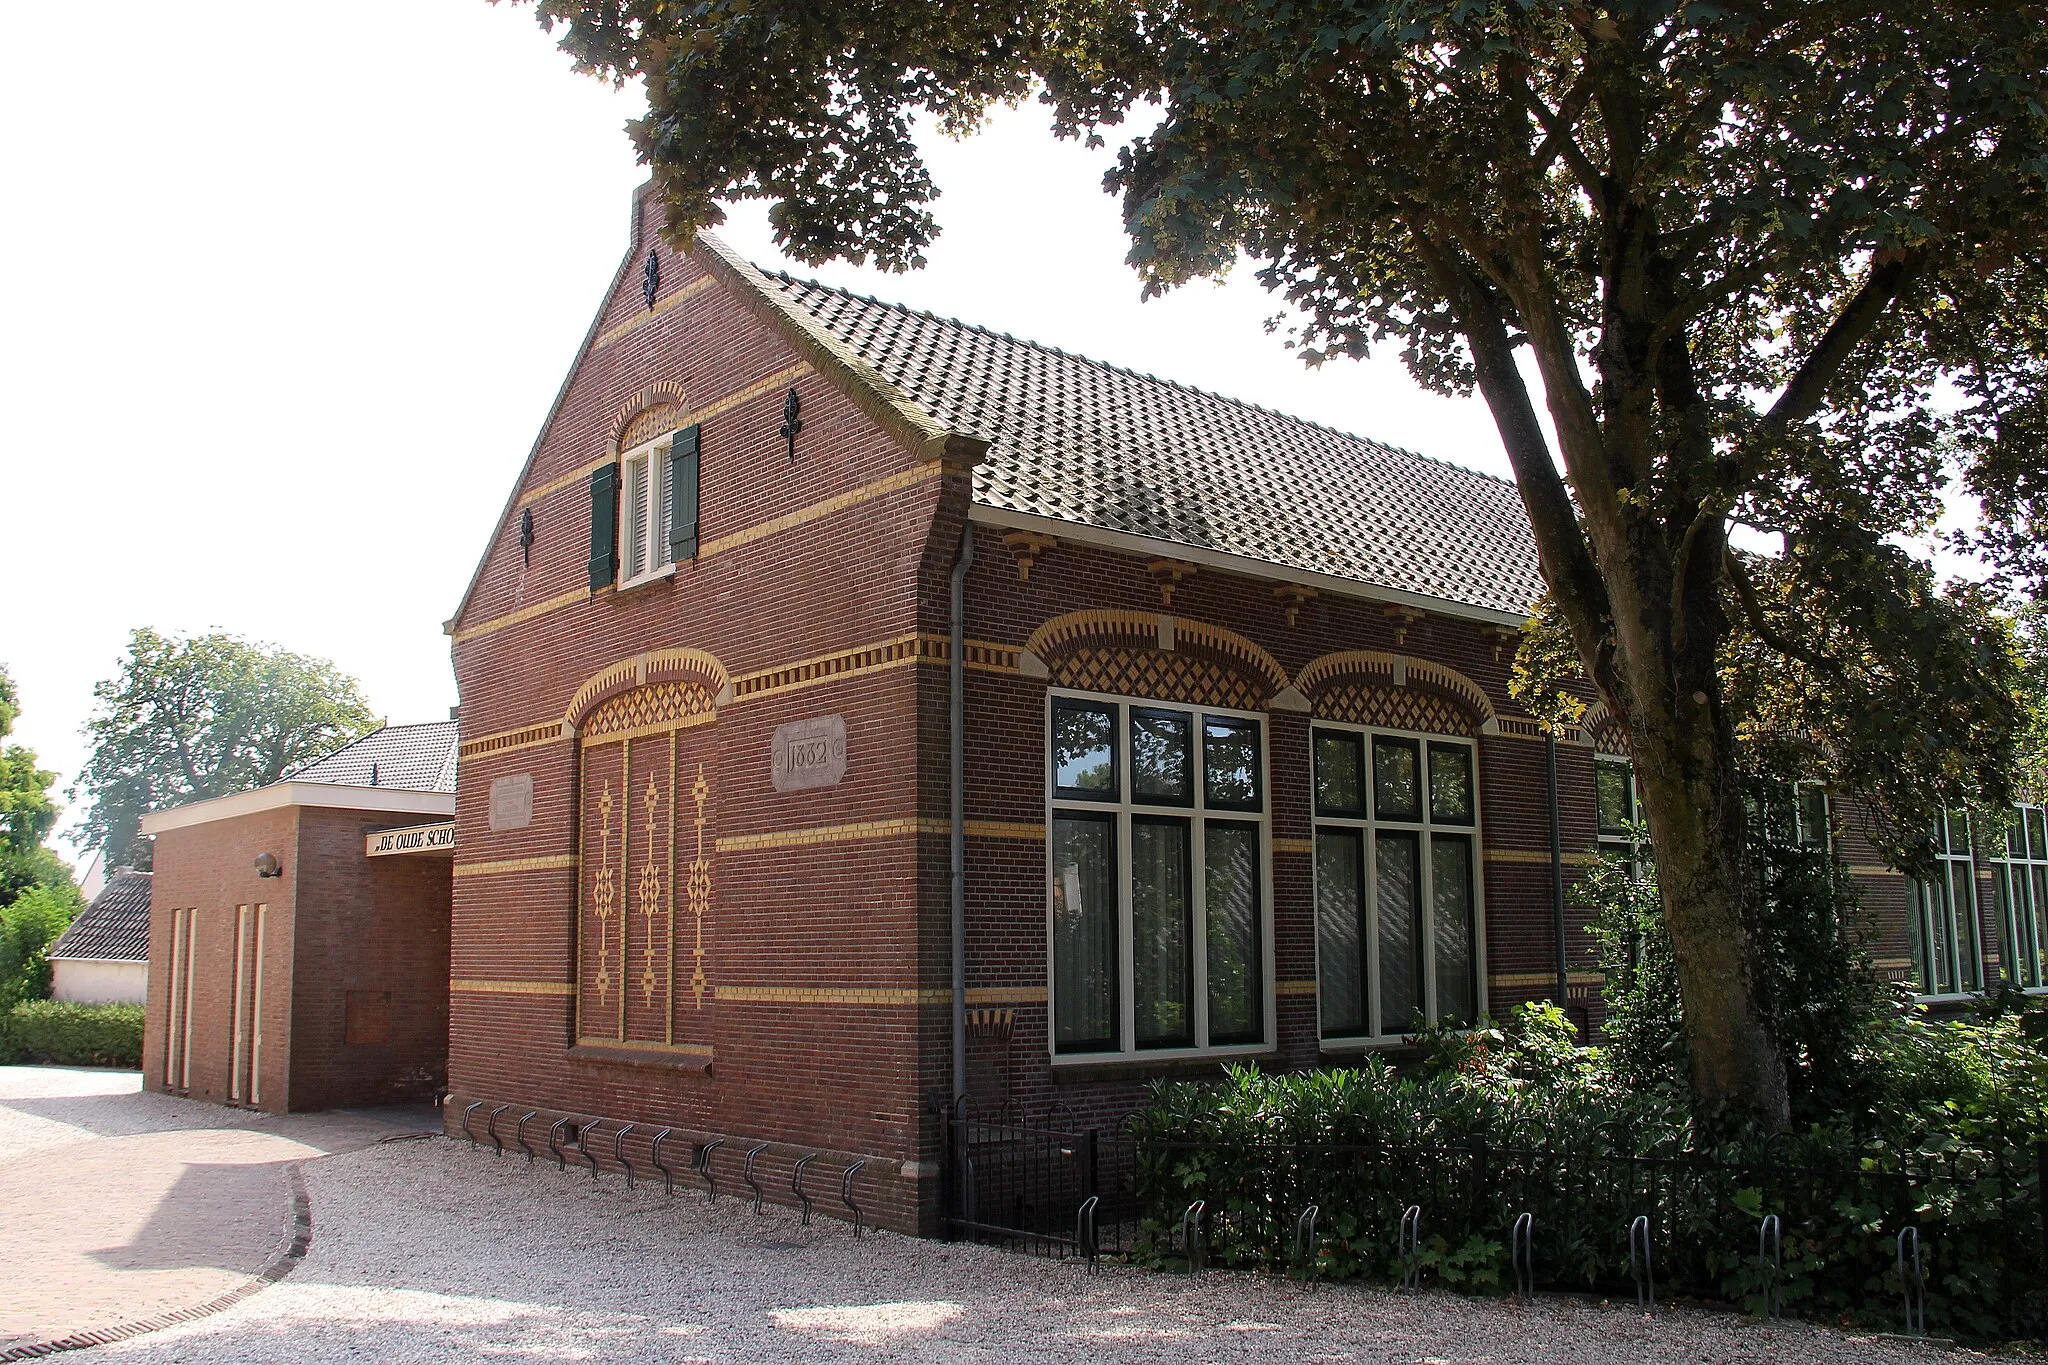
(427,1250)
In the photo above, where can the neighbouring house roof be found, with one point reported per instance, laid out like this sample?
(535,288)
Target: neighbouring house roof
(413,757)
(398,770)
(1075,440)
(114,927)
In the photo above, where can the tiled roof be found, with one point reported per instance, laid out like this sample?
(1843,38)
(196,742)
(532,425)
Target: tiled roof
(410,757)
(115,926)
(1081,441)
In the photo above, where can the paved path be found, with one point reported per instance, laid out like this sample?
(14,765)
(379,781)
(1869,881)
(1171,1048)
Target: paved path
(432,1251)
(122,1208)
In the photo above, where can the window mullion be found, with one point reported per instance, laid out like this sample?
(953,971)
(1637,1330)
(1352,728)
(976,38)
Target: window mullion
(1198,877)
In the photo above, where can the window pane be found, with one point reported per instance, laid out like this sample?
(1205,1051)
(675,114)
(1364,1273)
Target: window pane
(1230,760)
(1450,866)
(1236,981)
(1963,904)
(1162,934)
(1340,948)
(1813,815)
(1340,773)
(1394,888)
(1394,791)
(1916,938)
(657,480)
(1084,749)
(1162,757)
(2037,832)
(1450,783)
(1611,788)
(635,556)
(2016,837)
(2040,922)
(1940,977)
(1084,959)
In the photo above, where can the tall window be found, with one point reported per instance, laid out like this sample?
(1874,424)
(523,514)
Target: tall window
(1158,896)
(643,531)
(1810,815)
(1618,809)
(1397,901)
(1941,916)
(2019,881)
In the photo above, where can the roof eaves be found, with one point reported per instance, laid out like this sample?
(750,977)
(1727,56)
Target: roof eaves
(989,514)
(926,437)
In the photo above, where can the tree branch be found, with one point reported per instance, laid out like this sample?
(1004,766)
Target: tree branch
(1753,607)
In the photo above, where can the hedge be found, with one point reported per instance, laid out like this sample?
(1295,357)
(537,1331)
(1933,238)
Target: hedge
(60,1033)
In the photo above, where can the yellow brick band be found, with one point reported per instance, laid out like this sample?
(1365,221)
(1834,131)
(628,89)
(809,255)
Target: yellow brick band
(511,741)
(1294,845)
(551,863)
(633,324)
(1872,870)
(1003,829)
(1295,988)
(845,663)
(636,1045)
(475,986)
(832,995)
(527,613)
(1530,855)
(868,492)
(1543,978)
(1005,995)
(831,834)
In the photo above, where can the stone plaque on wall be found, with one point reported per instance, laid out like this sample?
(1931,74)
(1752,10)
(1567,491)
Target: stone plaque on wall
(809,753)
(512,801)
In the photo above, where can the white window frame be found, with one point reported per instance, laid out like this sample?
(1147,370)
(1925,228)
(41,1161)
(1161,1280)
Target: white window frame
(1967,959)
(2020,882)
(644,472)
(1198,814)
(1609,842)
(1425,890)
(1801,835)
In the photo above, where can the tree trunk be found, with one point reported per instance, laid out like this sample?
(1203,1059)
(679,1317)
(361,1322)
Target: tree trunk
(1692,801)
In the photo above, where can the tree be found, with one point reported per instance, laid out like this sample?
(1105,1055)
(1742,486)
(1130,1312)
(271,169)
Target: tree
(1774,263)
(27,810)
(190,719)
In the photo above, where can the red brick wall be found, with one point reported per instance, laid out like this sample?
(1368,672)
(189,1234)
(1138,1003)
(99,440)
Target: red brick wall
(208,869)
(376,927)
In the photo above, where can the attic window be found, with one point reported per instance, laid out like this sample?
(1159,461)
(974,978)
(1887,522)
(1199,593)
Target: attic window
(643,529)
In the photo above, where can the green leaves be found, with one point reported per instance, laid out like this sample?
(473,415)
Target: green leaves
(190,719)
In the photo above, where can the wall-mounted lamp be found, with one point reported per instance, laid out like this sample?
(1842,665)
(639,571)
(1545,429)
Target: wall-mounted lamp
(267,865)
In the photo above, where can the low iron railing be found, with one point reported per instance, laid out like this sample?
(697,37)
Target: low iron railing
(1955,1238)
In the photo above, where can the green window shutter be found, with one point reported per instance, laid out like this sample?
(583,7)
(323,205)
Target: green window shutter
(682,495)
(604,526)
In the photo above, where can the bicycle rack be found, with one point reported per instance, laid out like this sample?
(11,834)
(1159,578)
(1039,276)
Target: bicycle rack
(701,1163)
(1644,1276)
(619,1152)
(1409,1246)
(668,1177)
(555,1136)
(1522,1255)
(465,1123)
(1913,1281)
(747,1174)
(491,1129)
(523,1118)
(1770,1262)
(1191,1234)
(846,1193)
(796,1186)
(1085,1240)
(581,1142)
(1305,1242)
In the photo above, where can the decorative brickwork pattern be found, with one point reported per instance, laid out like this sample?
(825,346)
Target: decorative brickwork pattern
(656,708)
(655,421)
(1397,708)
(1155,674)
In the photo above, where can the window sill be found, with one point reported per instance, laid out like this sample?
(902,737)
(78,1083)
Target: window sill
(648,579)
(1123,1067)
(1355,1047)
(694,1062)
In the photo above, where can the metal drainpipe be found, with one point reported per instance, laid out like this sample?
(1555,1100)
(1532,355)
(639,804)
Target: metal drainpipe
(1557,878)
(961,564)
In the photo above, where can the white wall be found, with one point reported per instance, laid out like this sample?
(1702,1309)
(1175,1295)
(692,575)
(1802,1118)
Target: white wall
(92,981)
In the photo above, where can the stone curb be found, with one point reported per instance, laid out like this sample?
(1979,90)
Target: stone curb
(298,1235)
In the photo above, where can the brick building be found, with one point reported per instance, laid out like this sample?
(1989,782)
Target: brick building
(1241,776)
(298,935)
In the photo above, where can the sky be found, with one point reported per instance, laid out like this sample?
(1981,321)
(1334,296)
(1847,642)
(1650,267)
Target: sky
(287,290)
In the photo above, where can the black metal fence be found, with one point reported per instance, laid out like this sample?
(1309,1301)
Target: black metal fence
(1954,1239)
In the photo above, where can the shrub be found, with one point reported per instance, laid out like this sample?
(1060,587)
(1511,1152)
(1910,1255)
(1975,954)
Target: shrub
(60,1033)
(28,927)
